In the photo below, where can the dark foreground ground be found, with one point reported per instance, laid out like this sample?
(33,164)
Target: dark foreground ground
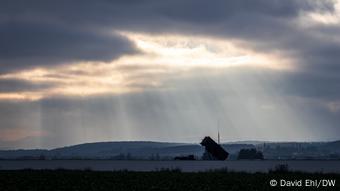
(50,180)
(311,166)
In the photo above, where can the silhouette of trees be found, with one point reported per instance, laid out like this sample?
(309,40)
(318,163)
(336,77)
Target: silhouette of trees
(250,154)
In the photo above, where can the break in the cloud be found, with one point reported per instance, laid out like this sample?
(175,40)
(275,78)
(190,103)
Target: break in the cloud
(172,66)
(162,57)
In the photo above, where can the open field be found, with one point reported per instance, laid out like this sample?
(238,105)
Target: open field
(312,166)
(161,180)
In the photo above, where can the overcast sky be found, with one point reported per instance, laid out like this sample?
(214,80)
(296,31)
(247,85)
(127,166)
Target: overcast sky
(111,70)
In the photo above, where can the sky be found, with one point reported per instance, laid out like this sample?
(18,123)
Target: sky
(174,71)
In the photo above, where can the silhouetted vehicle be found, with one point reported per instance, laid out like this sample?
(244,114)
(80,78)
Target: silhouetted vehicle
(250,154)
(189,157)
(213,150)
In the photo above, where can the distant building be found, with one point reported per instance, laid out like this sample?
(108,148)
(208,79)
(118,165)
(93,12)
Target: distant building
(213,151)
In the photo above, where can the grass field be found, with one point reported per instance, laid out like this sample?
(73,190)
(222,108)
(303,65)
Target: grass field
(34,180)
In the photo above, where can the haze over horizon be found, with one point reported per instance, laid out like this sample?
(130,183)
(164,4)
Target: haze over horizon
(173,71)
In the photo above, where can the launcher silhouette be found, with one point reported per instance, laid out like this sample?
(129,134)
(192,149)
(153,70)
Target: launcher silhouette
(215,150)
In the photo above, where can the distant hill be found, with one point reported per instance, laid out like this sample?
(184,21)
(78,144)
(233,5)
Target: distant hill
(108,150)
(138,149)
(143,150)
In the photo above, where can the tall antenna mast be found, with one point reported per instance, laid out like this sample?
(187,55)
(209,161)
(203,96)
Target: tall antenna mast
(218,131)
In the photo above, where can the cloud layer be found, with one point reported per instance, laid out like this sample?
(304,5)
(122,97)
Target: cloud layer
(167,66)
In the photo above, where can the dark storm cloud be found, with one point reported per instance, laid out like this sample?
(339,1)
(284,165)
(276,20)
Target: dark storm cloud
(47,31)
(239,18)
(115,12)
(28,44)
